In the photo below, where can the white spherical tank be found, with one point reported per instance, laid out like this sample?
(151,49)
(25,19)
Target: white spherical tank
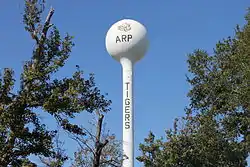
(127,39)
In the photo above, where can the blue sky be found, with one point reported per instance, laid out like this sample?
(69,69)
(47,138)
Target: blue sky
(175,28)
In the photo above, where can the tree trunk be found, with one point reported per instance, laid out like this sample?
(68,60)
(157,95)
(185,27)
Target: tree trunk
(98,144)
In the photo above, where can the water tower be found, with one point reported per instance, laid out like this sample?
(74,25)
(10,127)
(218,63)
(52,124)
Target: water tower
(126,42)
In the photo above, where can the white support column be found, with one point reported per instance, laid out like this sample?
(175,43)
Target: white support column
(128,119)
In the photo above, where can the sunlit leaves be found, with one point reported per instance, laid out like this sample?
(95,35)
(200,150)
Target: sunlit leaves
(22,133)
(215,130)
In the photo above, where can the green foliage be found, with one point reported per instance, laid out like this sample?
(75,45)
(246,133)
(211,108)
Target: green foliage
(215,130)
(22,133)
(206,148)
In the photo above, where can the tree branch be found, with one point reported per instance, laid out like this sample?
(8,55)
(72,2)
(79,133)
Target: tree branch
(111,162)
(47,24)
(45,29)
(99,128)
(80,142)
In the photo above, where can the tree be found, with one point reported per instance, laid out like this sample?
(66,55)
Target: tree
(215,130)
(98,148)
(22,132)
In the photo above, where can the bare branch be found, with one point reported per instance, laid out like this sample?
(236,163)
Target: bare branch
(93,137)
(99,128)
(45,29)
(47,24)
(80,142)
(111,162)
